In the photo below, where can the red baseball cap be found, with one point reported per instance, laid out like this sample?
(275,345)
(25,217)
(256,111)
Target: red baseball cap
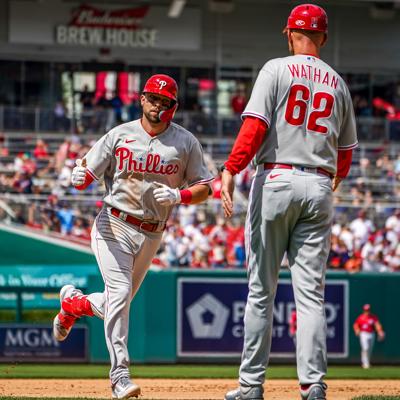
(366,307)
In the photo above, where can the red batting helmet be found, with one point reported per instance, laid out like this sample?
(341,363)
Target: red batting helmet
(163,85)
(308,17)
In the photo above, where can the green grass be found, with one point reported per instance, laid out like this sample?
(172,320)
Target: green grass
(180,371)
(377,398)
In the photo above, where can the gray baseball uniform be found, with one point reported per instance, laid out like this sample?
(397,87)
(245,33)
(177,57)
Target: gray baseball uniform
(131,161)
(309,113)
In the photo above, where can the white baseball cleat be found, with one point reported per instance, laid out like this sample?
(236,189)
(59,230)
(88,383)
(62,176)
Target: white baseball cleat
(63,322)
(125,389)
(246,393)
(316,391)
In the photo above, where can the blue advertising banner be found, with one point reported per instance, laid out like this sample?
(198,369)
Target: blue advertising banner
(211,310)
(36,343)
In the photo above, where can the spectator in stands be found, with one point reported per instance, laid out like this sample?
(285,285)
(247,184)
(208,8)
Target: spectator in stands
(100,115)
(235,247)
(80,229)
(216,185)
(87,103)
(217,256)
(117,106)
(362,227)
(41,150)
(392,259)
(219,232)
(66,217)
(393,222)
(373,256)
(62,153)
(134,109)
(86,99)
(239,100)
(22,182)
(385,166)
(63,182)
(243,180)
(199,259)
(354,264)
(61,121)
(339,253)
(366,169)
(47,217)
(177,253)
(361,106)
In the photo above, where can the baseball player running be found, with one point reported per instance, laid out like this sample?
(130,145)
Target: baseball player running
(364,327)
(299,124)
(145,164)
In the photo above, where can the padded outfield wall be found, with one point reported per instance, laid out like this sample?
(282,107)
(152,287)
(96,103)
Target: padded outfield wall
(178,315)
(197,316)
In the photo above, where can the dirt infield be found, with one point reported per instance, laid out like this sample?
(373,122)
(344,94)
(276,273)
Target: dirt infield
(188,389)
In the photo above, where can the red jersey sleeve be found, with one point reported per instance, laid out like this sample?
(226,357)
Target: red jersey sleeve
(344,162)
(248,141)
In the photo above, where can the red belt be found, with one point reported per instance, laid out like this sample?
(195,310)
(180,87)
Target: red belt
(146,226)
(306,169)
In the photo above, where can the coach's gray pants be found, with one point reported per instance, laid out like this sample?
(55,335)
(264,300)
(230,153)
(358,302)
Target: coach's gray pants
(123,255)
(291,212)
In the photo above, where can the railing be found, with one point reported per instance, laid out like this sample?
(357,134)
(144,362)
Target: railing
(40,120)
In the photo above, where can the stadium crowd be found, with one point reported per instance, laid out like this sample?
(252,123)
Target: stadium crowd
(198,236)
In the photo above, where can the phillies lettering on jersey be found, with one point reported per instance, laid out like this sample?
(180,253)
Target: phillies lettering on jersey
(151,163)
(308,109)
(366,323)
(133,162)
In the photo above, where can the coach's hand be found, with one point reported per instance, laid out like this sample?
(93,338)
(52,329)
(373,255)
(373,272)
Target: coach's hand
(165,195)
(79,172)
(335,182)
(228,186)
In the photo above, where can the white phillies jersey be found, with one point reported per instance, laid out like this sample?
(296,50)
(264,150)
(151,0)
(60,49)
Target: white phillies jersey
(131,161)
(308,109)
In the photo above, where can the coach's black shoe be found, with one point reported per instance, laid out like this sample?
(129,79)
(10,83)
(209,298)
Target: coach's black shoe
(316,391)
(246,393)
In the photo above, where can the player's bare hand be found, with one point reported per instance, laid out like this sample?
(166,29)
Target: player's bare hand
(228,186)
(79,172)
(335,182)
(165,195)
(381,336)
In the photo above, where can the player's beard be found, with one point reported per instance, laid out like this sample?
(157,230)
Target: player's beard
(151,117)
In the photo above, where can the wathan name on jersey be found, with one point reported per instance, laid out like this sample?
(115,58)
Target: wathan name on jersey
(151,163)
(313,74)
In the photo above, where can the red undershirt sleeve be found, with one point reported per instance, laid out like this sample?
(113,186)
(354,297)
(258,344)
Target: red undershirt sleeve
(248,141)
(344,162)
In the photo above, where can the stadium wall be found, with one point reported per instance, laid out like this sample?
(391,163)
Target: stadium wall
(163,325)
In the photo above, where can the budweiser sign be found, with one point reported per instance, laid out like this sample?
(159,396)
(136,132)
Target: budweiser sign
(91,26)
(90,16)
